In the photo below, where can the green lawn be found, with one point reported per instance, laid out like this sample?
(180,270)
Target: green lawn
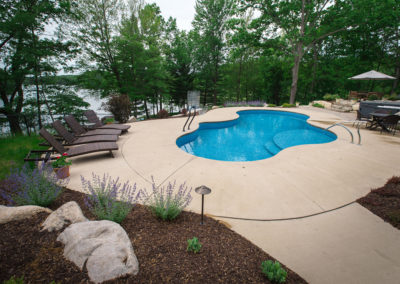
(13,150)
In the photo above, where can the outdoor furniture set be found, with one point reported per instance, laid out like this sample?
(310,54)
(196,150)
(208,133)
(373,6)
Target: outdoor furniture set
(81,141)
(385,119)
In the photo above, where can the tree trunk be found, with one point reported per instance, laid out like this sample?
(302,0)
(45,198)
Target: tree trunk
(13,121)
(396,82)
(146,109)
(238,81)
(295,72)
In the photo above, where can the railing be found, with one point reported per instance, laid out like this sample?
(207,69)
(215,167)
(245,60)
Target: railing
(349,131)
(187,120)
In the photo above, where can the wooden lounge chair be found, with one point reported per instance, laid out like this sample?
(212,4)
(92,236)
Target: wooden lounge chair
(70,138)
(93,118)
(79,130)
(78,150)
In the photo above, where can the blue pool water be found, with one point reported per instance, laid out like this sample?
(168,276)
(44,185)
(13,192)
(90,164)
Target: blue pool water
(255,135)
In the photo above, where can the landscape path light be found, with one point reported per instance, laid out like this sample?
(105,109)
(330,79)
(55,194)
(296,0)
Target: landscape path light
(203,190)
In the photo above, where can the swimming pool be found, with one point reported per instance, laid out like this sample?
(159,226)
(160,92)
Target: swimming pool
(255,135)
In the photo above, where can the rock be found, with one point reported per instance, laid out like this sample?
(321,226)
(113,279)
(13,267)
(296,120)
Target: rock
(69,213)
(132,119)
(8,214)
(326,104)
(103,245)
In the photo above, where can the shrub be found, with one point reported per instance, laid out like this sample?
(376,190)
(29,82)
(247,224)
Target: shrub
(318,105)
(273,271)
(272,105)
(109,120)
(288,105)
(372,97)
(102,197)
(194,245)
(167,203)
(329,97)
(26,186)
(119,106)
(162,114)
(393,97)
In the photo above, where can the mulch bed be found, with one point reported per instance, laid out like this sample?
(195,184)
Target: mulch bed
(226,257)
(385,201)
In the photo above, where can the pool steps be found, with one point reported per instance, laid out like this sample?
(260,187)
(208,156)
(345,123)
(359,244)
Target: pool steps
(272,147)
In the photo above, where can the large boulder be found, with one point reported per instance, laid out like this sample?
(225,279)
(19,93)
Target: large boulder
(103,245)
(69,213)
(8,214)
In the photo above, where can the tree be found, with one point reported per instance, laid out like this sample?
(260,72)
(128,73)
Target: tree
(22,48)
(302,24)
(95,29)
(210,25)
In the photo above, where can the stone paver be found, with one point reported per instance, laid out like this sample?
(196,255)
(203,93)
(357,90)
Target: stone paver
(299,181)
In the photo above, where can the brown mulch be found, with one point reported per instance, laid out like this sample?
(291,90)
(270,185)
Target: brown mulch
(226,257)
(385,201)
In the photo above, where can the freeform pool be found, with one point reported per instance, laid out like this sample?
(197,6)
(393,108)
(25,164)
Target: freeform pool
(255,135)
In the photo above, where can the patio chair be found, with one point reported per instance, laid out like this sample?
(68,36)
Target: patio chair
(93,118)
(389,123)
(78,150)
(70,138)
(361,117)
(79,130)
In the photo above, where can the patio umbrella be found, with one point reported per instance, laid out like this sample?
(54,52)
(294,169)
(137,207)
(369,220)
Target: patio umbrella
(372,75)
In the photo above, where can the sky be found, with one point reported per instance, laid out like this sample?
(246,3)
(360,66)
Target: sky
(181,10)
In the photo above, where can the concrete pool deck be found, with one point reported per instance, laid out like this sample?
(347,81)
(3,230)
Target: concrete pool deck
(348,245)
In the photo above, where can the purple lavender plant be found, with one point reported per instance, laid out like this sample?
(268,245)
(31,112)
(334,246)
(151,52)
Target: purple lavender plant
(167,202)
(39,186)
(106,198)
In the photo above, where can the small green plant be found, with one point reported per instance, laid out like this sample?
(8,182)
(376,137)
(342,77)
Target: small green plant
(272,105)
(318,105)
(13,280)
(194,245)
(329,97)
(109,120)
(61,161)
(288,105)
(273,271)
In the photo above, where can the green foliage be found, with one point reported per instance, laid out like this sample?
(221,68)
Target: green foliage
(102,197)
(273,271)
(13,150)
(272,105)
(14,280)
(318,105)
(109,120)
(193,245)
(288,105)
(329,97)
(373,97)
(120,107)
(61,161)
(167,203)
(39,186)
